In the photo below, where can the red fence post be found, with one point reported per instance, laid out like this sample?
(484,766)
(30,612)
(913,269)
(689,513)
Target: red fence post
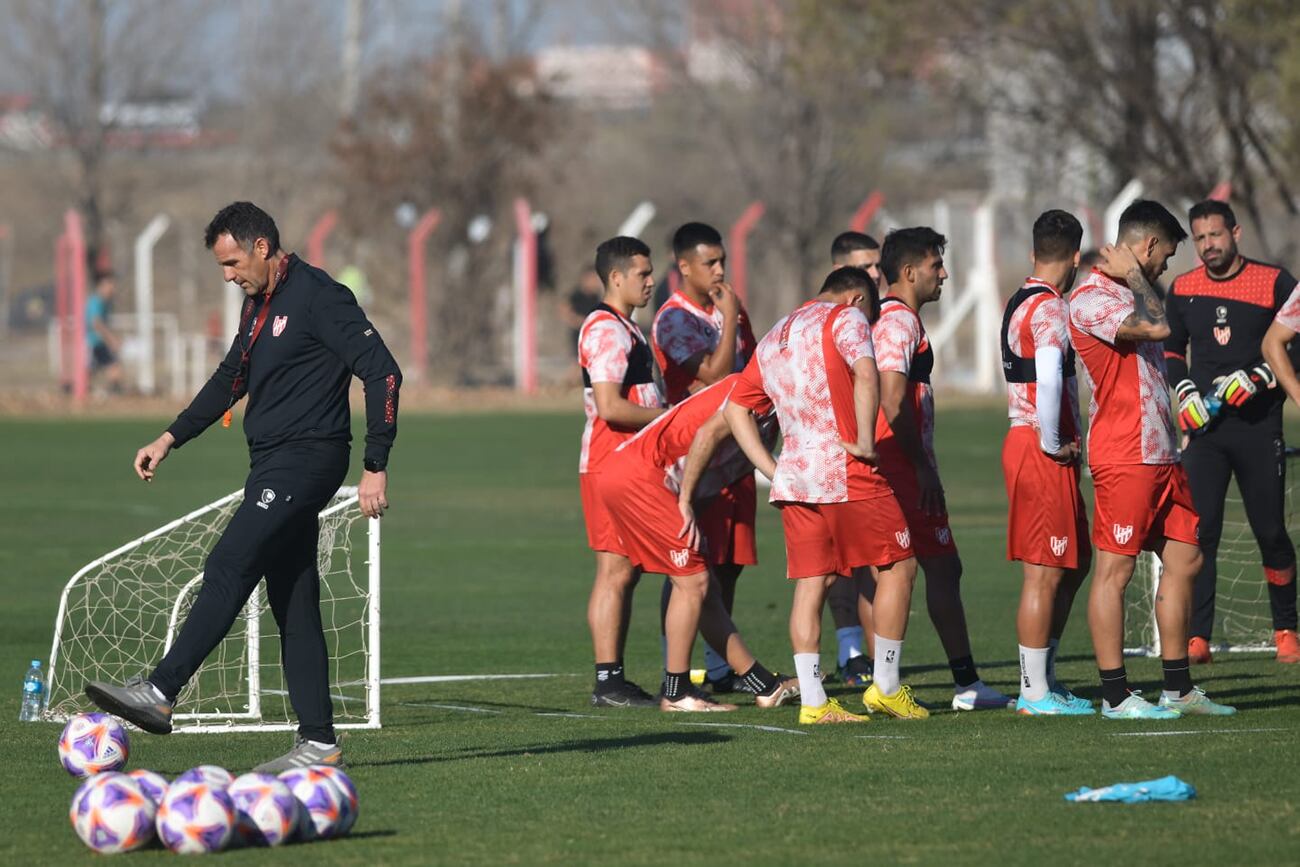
(76,249)
(866,211)
(316,237)
(738,248)
(525,299)
(419,310)
(63,310)
(1222,191)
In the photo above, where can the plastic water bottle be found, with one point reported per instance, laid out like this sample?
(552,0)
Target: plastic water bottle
(33,693)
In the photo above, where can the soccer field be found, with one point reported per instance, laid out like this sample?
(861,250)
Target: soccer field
(485,572)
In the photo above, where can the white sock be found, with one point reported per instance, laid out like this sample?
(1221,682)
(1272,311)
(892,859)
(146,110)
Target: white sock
(1033,672)
(1052,644)
(320,746)
(809,668)
(716,664)
(888,655)
(850,639)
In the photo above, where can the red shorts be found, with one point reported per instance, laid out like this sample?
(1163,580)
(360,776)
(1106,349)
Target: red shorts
(648,521)
(1047,520)
(1140,504)
(727,524)
(931,535)
(835,538)
(601,534)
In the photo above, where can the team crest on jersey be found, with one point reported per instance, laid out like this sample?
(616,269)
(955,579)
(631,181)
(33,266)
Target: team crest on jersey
(943,535)
(1223,334)
(680,557)
(904,538)
(278,324)
(1059,544)
(1122,533)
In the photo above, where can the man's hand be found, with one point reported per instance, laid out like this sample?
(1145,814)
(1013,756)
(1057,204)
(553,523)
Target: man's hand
(865,452)
(1118,261)
(1241,385)
(932,500)
(690,531)
(371,493)
(1067,455)
(148,458)
(724,298)
(1193,414)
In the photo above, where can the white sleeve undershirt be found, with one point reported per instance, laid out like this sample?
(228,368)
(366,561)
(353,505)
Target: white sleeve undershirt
(1048,362)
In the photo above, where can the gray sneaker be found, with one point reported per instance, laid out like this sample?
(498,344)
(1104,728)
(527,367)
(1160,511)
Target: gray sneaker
(304,754)
(136,702)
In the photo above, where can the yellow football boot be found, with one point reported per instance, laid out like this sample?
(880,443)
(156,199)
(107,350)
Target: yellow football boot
(831,712)
(900,705)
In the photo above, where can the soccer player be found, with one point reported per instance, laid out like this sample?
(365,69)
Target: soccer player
(849,597)
(1117,325)
(912,261)
(700,335)
(619,397)
(639,486)
(295,367)
(1047,522)
(1222,310)
(817,368)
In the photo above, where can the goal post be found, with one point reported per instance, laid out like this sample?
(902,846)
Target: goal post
(119,614)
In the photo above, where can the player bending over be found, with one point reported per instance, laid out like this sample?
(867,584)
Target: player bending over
(1047,522)
(619,397)
(639,487)
(912,260)
(1117,324)
(817,368)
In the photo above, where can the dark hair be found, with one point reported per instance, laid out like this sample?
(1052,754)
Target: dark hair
(105,274)
(1151,218)
(245,222)
(851,278)
(850,242)
(691,235)
(1089,259)
(1212,208)
(909,247)
(1056,236)
(616,255)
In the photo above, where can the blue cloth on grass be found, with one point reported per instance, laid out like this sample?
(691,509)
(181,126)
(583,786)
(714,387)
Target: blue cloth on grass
(1164,789)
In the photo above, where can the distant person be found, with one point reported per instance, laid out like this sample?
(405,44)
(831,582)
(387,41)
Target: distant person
(105,346)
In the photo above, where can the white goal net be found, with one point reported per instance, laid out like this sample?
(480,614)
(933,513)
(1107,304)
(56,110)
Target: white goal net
(1242,618)
(119,614)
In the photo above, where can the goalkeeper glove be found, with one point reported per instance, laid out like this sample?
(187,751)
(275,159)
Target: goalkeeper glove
(1193,414)
(1241,385)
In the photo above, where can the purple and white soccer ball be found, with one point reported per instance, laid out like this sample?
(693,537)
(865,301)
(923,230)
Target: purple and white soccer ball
(340,778)
(111,814)
(322,798)
(196,818)
(217,777)
(267,813)
(152,783)
(93,743)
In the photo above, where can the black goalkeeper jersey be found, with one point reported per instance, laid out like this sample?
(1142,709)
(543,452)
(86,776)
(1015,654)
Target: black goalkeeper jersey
(1222,321)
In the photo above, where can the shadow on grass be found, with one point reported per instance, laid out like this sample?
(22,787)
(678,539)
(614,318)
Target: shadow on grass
(587,745)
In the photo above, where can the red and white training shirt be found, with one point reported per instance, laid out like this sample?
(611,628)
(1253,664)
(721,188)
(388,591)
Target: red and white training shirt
(1040,322)
(1289,314)
(611,348)
(903,347)
(1130,417)
(682,330)
(804,366)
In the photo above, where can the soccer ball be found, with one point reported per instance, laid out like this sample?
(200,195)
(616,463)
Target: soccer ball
(111,814)
(267,813)
(217,778)
(92,743)
(344,782)
(321,797)
(195,818)
(154,785)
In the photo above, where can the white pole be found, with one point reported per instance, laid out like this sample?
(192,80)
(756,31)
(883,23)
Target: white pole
(198,362)
(175,356)
(636,221)
(984,280)
(372,691)
(1132,190)
(144,244)
(230,313)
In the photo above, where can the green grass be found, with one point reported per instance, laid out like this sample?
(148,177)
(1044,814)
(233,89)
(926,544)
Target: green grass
(485,571)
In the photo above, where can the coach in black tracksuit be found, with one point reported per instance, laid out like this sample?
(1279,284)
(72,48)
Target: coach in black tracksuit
(1222,309)
(301,339)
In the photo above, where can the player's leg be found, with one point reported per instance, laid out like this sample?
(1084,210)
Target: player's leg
(1259,463)
(943,601)
(1208,470)
(891,607)
(680,625)
(1038,593)
(1110,578)
(1180,561)
(608,609)
(853,666)
(719,630)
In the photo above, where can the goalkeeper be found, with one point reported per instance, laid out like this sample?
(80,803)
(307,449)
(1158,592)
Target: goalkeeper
(301,339)
(1231,412)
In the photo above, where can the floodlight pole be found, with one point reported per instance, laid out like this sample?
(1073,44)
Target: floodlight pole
(316,237)
(525,342)
(144,244)
(1132,190)
(417,282)
(738,247)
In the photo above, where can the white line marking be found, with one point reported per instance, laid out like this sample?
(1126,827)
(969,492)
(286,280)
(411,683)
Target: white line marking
(449,707)
(333,695)
(1191,732)
(744,726)
(449,678)
(881,737)
(573,715)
